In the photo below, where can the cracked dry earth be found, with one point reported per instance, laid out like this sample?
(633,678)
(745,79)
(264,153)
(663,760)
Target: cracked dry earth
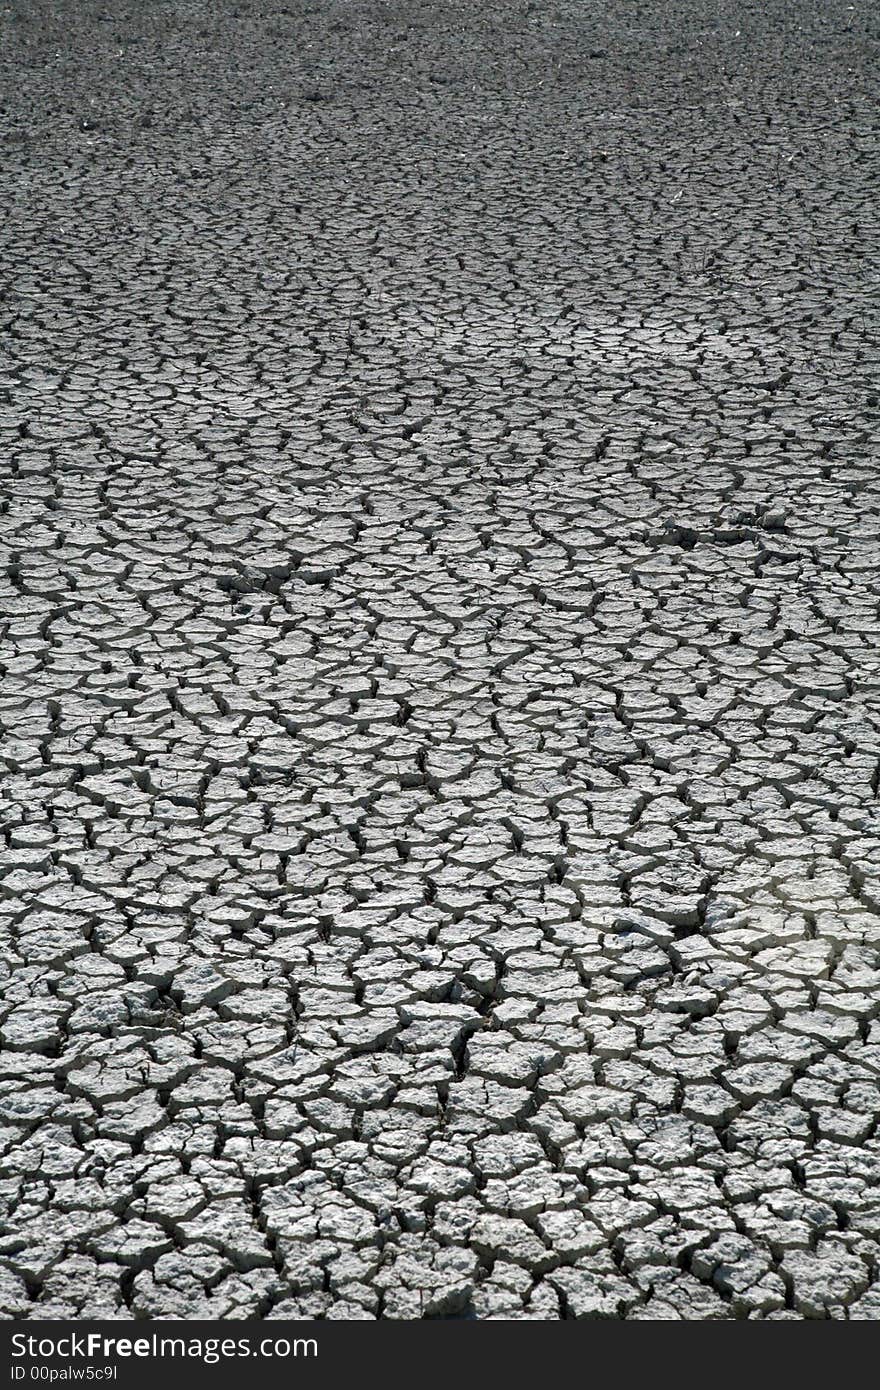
(440,675)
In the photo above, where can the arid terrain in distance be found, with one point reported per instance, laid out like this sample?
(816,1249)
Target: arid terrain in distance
(440,677)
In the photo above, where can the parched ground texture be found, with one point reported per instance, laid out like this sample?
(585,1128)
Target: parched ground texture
(440,675)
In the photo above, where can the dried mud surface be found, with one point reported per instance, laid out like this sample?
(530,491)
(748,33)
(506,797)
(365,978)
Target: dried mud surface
(439,699)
